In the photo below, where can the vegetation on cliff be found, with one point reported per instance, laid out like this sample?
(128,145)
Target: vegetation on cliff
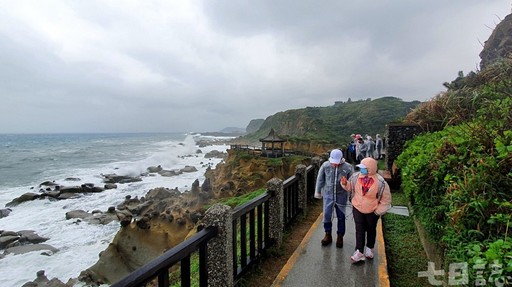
(334,124)
(458,177)
(243,172)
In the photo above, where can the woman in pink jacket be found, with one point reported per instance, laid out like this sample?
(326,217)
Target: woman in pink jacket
(371,198)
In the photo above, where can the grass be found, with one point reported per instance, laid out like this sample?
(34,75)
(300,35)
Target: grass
(405,254)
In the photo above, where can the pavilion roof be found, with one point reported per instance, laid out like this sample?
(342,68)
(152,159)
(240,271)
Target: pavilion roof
(272,137)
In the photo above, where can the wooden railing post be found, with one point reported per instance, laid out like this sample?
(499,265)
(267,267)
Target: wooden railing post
(300,173)
(276,212)
(220,248)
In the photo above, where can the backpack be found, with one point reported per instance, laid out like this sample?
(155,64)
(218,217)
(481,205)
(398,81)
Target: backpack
(351,148)
(382,185)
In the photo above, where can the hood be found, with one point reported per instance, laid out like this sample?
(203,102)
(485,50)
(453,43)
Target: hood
(371,165)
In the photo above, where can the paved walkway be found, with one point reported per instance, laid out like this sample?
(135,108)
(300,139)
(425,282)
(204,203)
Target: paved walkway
(315,265)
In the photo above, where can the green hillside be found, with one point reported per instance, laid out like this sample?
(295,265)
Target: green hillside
(334,124)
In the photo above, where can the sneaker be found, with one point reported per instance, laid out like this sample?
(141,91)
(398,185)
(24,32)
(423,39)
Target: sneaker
(357,256)
(368,252)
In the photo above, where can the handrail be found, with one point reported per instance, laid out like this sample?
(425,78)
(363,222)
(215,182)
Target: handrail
(251,226)
(256,212)
(159,267)
(246,207)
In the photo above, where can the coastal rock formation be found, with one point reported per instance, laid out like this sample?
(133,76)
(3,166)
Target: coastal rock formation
(5,212)
(150,225)
(499,44)
(43,281)
(24,241)
(165,217)
(95,217)
(216,154)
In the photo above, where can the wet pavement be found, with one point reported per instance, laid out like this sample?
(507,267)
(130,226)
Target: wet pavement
(315,265)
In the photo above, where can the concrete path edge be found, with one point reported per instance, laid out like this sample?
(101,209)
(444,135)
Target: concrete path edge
(383,280)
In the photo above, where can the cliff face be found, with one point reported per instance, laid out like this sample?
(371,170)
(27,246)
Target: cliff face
(332,125)
(242,173)
(499,44)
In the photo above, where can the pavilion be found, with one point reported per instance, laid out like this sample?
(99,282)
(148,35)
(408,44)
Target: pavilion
(272,145)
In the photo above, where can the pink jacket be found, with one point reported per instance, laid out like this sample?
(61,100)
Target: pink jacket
(369,202)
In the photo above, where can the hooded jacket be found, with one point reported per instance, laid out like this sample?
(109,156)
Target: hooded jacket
(369,202)
(325,183)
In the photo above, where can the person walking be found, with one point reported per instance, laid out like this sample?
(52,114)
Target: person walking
(351,150)
(379,145)
(370,198)
(361,149)
(370,152)
(328,187)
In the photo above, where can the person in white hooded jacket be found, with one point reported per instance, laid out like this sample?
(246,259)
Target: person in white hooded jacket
(328,187)
(368,205)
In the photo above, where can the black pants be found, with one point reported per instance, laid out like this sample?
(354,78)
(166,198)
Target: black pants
(366,229)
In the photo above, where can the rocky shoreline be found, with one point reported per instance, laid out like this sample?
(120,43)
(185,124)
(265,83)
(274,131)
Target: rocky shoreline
(148,225)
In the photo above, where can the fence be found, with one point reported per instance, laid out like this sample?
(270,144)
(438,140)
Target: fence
(230,241)
(255,150)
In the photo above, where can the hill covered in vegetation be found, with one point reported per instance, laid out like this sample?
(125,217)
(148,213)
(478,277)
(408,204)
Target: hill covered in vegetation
(333,124)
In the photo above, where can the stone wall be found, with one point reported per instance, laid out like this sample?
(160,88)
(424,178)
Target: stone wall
(396,137)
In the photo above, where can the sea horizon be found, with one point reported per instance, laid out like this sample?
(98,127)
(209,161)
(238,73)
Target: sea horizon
(30,159)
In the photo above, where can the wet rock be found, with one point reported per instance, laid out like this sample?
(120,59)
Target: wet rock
(188,169)
(30,236)
(110,186)
(48,183)
(67,196)
(71,189)
(42,281)
(5,212)
(29,196)
(143,223)
(215,154)
(103,218)
(77,214)
(154,169)
(7,239)
(52,193)
(169,173)
(160,193)
(30,248)
(125,217)
(114,178)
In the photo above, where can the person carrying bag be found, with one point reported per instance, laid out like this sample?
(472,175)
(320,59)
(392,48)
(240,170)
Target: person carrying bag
(370,197)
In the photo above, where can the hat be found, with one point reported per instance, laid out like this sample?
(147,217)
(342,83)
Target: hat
(358,136)
(361,165)
(352,135)
(336,156)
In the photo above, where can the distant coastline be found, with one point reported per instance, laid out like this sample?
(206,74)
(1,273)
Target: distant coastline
(222,134)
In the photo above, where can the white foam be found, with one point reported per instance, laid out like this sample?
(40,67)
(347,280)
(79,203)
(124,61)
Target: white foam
(80,243)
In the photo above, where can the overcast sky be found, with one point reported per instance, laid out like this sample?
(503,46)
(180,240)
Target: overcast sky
(180,66)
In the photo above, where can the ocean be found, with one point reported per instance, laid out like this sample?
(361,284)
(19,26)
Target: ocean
(28,160)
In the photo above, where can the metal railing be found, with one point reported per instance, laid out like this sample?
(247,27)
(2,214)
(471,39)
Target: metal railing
(250,238)
(159,268)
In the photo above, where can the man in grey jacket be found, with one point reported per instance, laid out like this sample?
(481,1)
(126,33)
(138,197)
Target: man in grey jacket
(329,188)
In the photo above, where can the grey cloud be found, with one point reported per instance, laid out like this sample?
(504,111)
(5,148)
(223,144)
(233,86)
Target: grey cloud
(205,65)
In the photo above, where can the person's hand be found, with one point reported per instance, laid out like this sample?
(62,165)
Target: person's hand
(343,180)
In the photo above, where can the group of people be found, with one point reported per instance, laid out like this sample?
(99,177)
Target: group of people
(360,148)
(365,191)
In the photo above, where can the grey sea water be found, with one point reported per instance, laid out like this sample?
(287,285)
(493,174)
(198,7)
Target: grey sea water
(26,160)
